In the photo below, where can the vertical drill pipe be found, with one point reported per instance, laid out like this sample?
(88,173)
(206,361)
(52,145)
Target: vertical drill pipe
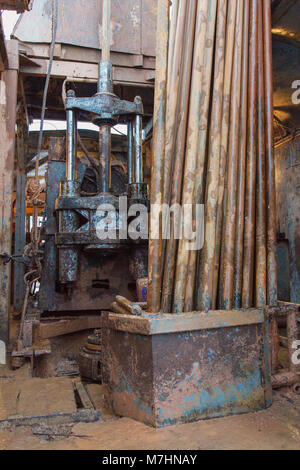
(231,202)
(71,146)
(138,161)
(158,149)
(104,150)
(177,176)
(239,236)
(261,228)
(105,85)
(106,30)
(173,28)
(206,262)
(191,152)
(230,34)
(130,152)
(249,238)
(172,95)
(271,195)
(292,334)
(202,144)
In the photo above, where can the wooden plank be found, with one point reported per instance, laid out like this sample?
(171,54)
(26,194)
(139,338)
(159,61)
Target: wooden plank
(52,329)
(64,69)
(83,395)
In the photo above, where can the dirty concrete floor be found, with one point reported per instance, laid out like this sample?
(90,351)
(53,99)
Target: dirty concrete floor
(277,428)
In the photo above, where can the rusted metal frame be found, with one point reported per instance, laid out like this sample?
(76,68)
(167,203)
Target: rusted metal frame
(9,85)
(249,236)
(209,46)
(188,192)
(239,235)
(261,227)
(217,152)
(226,300)
(180,147)
(159,134)
(270,163)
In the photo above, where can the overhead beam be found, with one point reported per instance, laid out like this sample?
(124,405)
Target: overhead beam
(19,5)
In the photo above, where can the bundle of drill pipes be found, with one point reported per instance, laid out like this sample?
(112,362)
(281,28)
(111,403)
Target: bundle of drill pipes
(213,145)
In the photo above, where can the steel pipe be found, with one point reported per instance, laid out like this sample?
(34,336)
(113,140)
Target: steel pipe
(226,300)
(261,228)
(71,143)
(272,296)
(239,235)
(188,191)
(130,152)
(249,235)
(138,161)
(159,134)
(180,147)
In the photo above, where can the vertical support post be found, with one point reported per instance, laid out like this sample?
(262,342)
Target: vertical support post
(8,103)
(138,150)
(20,240)
(71,142)
(105,85)
(130,151)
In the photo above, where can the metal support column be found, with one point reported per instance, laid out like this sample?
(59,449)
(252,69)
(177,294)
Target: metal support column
(8,92)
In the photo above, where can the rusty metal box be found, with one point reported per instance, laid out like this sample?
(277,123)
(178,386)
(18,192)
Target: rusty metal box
(171,369)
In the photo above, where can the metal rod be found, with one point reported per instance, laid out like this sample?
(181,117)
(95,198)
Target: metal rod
(106,30)
(104,156)
(138,161)
(71,143)
(249,236)
(226,300)
(188,191)
(172,96)
(261,228)
(202,144)
(130,152)
(180,146)
(271,195)
(159,131)
(105,85)
(207,255)
(220,228)
(239,236)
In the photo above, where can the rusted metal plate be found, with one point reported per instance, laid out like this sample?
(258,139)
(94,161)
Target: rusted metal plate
(181,377)
(133,24)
